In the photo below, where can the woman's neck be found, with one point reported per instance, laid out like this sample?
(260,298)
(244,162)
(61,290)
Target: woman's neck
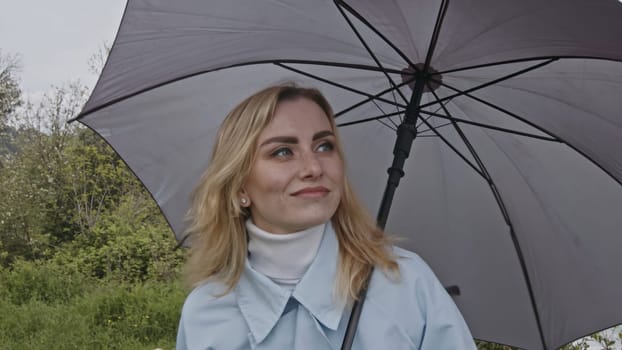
(284,258)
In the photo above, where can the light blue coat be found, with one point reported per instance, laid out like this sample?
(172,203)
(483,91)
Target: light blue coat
(412,313)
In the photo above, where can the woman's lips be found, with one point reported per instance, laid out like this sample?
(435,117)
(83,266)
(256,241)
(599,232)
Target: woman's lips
(311,192)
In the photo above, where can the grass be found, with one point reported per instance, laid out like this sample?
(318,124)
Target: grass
(43,309)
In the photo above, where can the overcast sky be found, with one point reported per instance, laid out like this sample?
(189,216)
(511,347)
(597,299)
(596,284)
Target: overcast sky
(55,39)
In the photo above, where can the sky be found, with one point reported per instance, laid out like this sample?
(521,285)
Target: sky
(55,39)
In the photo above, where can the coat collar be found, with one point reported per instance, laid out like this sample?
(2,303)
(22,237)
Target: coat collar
(262,301)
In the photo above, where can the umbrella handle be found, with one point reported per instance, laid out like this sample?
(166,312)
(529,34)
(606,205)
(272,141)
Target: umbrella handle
(357,308)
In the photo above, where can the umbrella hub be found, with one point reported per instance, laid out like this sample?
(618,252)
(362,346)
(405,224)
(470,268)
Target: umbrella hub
(431,77)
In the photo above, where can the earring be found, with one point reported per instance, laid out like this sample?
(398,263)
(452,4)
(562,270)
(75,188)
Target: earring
(244,201)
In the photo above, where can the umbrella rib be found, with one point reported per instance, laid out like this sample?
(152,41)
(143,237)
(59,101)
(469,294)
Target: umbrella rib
(428,118)
(382,116)
(430,114)
(478,160)
(499,63)
(438,127)
(341,65)
(360,103)
(506,216)
(330,82)
(383,112)
(527,59)
(462,156)
(181,241)
(387,125)
(371,53)
(392,122)
(492,127)
(435,33)
(505,111)
(401,118)
(484,85)
(186,76)
(377,32)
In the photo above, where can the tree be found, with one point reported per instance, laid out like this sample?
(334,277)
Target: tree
(32,178)
(10,99)
(65,193)
(10,93)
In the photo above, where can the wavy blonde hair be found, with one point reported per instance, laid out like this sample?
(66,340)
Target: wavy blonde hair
(217,221)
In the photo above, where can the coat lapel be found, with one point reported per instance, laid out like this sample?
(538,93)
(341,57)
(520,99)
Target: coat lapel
(316,289)
(263,302)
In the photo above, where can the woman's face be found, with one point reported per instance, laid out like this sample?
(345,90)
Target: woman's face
(296,180)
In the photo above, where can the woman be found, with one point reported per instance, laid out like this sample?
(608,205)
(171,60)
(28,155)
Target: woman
(281,245)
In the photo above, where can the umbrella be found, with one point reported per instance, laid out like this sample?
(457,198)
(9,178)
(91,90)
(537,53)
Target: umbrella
(512,189)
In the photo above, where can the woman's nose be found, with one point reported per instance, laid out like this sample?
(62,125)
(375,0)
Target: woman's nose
(311,166)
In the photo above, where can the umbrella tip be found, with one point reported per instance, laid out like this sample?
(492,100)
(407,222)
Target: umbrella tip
(453,290)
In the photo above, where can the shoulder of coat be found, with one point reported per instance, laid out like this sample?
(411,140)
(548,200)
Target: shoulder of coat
(412,266)
(209,295)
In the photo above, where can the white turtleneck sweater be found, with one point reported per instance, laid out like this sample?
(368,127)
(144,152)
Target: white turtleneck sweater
(284,258)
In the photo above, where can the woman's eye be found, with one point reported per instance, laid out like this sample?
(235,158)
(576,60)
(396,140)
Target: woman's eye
(282,152)
(325,147)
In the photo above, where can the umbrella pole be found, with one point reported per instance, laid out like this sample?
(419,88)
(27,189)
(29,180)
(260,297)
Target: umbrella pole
(406,133)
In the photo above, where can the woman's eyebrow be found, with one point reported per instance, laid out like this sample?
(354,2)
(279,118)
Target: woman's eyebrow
(294,140)
(280,139)
(321,134)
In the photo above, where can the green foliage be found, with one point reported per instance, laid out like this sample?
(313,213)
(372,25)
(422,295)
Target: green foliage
(610,339)
(59,182)
(146,312)
(48,283)
(482,345)
(129,243)
(104,315)
(36,208)
(10,93)
(87,261)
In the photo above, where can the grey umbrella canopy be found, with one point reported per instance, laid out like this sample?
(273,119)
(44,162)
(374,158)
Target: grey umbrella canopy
(512,191)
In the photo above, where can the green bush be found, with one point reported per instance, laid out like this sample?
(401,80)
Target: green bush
(38,280)
(145,312)
(108,315)
(131,243)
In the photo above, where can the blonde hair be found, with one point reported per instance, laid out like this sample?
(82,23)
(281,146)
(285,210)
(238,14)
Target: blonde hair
(217,221)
